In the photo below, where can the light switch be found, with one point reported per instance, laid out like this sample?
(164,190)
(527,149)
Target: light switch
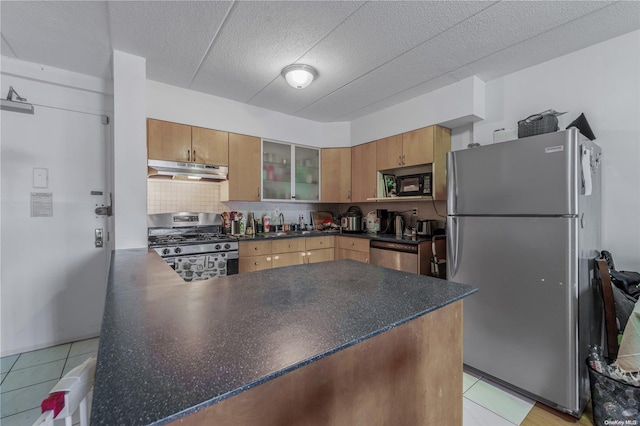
(40,177)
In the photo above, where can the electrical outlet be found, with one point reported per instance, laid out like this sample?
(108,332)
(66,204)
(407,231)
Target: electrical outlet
(415,211)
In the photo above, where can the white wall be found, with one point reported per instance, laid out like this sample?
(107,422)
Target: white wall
(452,106)
(172,103)
(603,82)
(130,150)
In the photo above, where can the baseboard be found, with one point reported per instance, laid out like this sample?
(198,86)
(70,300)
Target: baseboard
(46,345)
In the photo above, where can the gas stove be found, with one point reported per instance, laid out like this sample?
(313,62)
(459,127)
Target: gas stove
(193,244)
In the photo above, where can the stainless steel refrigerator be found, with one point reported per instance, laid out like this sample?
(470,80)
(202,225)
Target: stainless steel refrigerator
(523,226)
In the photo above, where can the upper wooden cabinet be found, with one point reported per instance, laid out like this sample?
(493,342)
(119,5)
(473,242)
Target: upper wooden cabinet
(389,152)
(411,148)
(209,146)
(244,169)
(168,141)
(417,146)
(363,172)
(180,142)
(336,175)
(422,147)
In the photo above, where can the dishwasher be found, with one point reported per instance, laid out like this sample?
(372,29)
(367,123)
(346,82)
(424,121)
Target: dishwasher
(394,255)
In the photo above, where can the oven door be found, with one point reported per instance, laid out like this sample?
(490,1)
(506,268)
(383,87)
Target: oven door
(198,267)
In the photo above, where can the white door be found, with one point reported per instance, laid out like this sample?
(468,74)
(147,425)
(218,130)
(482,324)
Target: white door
(55,167)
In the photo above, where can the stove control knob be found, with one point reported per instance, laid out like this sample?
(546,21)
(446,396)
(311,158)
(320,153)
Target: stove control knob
(166,251)
(217,247)
(177,250)
(227,246)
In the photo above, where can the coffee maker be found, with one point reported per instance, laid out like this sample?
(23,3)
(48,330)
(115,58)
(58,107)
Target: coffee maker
(385,218)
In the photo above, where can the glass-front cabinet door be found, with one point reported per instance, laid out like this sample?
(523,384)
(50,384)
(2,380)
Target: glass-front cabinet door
(290,172)
(307,178)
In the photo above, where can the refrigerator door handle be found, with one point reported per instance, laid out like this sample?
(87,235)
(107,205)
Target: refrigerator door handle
(451,183)
(453,244)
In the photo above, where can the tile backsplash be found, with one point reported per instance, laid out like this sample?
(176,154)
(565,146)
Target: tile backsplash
(169,196)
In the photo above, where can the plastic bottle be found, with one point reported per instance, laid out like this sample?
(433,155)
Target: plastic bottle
(301,222)
(265,221)
(595,359)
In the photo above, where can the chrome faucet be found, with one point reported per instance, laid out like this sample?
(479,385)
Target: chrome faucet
(281,218)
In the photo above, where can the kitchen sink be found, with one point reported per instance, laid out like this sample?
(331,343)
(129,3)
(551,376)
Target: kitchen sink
(288,233)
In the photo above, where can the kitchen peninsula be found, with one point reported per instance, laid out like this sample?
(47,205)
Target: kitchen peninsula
(330,343)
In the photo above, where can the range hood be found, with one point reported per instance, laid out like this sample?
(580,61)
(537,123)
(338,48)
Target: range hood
(175,168)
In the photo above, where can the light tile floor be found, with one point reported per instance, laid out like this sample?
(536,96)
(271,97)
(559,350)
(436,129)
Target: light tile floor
(27,379)
(486,403)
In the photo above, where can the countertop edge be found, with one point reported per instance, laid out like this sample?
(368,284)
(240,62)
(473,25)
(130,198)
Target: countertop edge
(301,364)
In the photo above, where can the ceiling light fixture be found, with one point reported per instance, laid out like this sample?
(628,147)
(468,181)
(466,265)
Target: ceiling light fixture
(299,76)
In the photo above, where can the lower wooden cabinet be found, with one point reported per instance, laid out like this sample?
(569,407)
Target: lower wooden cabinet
(352,248)
(287,259)
(277,253)
(322,255)
(254,263)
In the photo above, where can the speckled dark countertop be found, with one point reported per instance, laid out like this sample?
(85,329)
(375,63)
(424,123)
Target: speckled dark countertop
(170,348)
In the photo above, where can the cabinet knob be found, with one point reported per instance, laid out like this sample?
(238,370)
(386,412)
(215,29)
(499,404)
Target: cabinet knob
(403,160)
(258,192)
(320,242)
(256,263)
(194,155)
(255,248)
(188,155)
(276,258)
(399,160)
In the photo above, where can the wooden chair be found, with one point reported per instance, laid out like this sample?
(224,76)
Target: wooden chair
(611,327)
(439,256)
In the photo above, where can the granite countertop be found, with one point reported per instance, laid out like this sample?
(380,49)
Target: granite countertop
(170,348)
(369,236)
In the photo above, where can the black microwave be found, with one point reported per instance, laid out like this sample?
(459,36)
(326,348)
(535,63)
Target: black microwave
(419,184)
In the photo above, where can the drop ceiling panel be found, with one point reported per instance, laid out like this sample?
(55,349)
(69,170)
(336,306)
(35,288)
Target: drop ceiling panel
(504,25)
(391,79)
(172,36)
(612,21)
(5,49)
(373,35)
(68,35)
(261,38)
(420,89)
(447,51)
